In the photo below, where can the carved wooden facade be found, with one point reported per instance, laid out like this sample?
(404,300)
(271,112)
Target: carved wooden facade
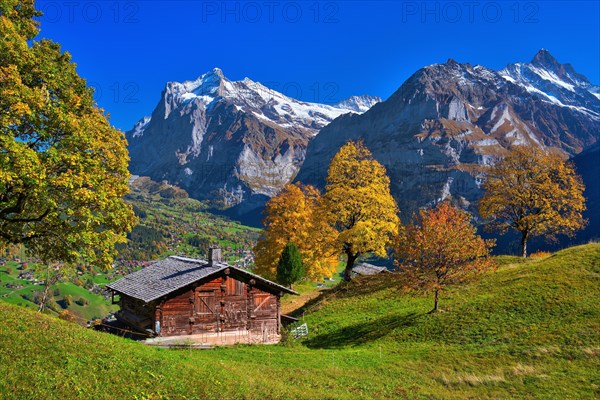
(201,298)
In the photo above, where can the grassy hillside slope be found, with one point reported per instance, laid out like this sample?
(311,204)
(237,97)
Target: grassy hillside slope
(531,329)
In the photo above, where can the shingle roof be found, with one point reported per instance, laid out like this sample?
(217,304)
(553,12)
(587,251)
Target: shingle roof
(368,269)
(172,273)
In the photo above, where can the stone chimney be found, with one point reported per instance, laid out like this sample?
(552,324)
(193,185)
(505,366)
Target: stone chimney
(214,255)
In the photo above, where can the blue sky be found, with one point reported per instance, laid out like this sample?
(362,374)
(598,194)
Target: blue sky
(317,51)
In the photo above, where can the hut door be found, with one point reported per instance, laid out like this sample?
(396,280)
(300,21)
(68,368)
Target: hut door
(234,306)
(264,317)
(206,312)
(262,305)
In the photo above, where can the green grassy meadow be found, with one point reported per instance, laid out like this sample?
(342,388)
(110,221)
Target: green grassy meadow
(530,329)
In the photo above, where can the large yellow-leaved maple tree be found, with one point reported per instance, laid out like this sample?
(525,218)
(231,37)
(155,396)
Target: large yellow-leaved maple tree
(63,168)
(441,247)
(358,204)
(292,216)
(535,193)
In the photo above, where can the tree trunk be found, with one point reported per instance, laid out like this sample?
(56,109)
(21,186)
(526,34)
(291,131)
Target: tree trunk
(349,265)
(46,289)
(435,300)
(44,298)
(524,244)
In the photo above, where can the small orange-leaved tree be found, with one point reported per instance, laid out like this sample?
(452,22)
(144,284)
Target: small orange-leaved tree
(441,247)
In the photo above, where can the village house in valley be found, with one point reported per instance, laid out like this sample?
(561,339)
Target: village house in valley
(209,299)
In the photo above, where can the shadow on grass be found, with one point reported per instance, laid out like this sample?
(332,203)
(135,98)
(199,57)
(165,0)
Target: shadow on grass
(359,334)
(364,285)
(312,303)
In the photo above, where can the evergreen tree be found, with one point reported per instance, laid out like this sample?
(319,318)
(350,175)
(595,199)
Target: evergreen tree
(290,268)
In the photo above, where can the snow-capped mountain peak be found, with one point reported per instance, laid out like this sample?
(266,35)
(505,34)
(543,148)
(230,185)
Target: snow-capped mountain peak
(440,130)
(229,140)
(265,103)
(240,142)
(209,83)
(544,59)
(555,83)
(138,128)
(358,104)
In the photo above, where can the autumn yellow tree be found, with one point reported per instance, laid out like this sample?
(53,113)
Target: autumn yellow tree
(358,204)
(63,168)
(535,193)
(292,216)
(441,247)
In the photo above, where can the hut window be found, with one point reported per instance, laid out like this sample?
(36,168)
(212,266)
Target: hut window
(206,303)
(234,287)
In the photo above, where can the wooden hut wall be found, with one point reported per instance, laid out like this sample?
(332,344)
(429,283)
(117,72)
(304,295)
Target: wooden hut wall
(137,312)
(264,315)
(174,315)
(224,304)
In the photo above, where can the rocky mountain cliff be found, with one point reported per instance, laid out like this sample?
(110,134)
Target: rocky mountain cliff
(447,121)
(587,164)
(229,140)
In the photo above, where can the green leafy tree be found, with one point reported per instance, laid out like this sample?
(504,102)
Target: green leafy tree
(290,269)
(358,204)
(51,304)
(68,299)
(63,168)
(82,301)
(534,193)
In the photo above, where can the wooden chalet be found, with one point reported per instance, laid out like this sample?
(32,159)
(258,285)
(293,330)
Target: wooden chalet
(208,299)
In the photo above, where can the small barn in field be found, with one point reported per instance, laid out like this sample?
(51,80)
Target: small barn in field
(215,302)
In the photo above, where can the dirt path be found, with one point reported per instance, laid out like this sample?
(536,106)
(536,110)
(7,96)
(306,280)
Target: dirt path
(295,302)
